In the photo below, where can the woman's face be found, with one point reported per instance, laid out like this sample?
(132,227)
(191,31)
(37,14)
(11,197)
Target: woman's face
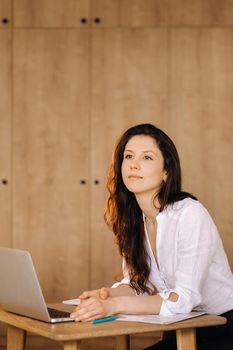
(143,166)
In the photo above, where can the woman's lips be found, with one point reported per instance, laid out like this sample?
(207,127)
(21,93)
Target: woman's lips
(134,177)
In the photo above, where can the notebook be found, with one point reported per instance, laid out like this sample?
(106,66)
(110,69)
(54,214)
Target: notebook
(20,291)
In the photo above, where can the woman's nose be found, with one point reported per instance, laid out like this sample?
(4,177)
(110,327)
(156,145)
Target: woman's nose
(134,164)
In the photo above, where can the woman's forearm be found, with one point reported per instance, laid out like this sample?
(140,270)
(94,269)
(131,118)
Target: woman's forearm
(137,304)
(94,307)
(121,290)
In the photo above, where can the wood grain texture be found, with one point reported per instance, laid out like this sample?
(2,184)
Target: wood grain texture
(143,13)
(119,13)
(137,342)
(16,338)
(51,13)
(200,13)
(51,157)
(186,339)
(5,14)
(5,137)
(72,345)
(129,86)
(123,342)
(179,79)
(201,123)
(107,11)
(85,330)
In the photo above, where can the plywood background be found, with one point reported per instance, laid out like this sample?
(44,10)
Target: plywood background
(74,75)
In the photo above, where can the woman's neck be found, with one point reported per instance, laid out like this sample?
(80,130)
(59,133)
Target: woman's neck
(149,205)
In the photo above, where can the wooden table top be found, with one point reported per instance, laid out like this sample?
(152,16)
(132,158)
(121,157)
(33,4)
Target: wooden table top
(84,330)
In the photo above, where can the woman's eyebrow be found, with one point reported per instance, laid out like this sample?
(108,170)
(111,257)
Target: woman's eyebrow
(146,151)
(149,151)
(143,152)
(128,150)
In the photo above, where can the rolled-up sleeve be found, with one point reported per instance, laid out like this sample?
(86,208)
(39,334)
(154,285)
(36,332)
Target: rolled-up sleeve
(196,242)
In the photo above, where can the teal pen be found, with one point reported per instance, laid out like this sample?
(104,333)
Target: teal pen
(105,319)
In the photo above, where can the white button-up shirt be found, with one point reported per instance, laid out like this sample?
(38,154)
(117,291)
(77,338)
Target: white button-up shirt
(191,261)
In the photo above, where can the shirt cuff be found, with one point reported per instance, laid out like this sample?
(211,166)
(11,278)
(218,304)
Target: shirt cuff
(164,310)
(123,281)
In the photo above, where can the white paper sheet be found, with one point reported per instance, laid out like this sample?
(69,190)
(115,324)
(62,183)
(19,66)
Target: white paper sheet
(159,319)
(72,301)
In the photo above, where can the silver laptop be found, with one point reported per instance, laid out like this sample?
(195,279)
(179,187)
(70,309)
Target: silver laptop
(20,291)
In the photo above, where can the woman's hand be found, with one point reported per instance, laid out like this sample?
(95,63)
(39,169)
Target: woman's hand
(102,293)
(92,308)
(93,305)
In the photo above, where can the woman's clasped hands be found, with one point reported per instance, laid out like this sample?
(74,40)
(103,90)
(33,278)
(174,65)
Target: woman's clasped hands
(93,305)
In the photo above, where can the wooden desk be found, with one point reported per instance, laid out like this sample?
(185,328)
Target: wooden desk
(72,334)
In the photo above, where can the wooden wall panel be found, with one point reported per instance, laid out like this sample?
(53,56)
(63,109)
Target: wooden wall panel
(51,156)
(201,95)
(133,72)
(5,137)
(105,13)
(5,13)
(126,13)
(143,13)
(200,13)
(50,13)
(130,13)
(129,86)
(99,13)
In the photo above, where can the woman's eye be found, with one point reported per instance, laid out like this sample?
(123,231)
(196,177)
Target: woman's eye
(128,156)
(148,157)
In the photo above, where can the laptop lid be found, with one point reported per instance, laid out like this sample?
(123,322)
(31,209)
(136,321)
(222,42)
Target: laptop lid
(20,291)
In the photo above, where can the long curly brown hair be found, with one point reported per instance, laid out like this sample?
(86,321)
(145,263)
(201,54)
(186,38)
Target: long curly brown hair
(123,214)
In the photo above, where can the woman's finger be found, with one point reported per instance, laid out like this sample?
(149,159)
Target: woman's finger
(89,293)
(104,293)
(89,313)
(87,308)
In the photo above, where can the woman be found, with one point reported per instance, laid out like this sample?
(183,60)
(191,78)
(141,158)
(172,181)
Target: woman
(173,258)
